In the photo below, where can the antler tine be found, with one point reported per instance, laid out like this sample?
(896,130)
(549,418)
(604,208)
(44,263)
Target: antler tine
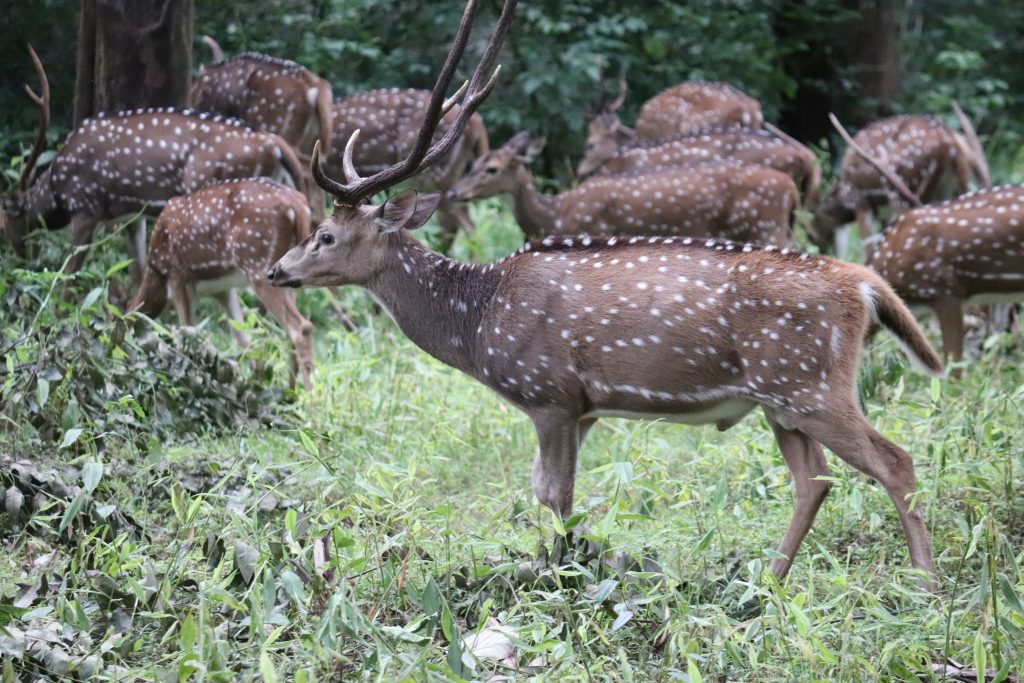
(349,167)
(974,143)
(317,170)
(43,102)
(889,174)
(354,192)
(454,99)
(617,103)
(218,53)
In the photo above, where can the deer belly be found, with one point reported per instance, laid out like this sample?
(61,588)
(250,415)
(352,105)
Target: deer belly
(234,279)
(724,413)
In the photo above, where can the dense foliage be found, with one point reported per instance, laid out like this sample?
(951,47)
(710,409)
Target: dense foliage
(785,53)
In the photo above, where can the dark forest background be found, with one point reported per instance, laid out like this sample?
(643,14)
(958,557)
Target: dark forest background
(860,58)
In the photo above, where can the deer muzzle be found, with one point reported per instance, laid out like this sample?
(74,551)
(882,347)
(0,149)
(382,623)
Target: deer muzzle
(278,277)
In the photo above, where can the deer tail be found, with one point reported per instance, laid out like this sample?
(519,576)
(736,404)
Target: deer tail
(891,313)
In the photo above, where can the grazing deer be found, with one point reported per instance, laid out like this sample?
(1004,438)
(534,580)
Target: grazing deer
(612,153)
(225,236)
(960,251)
(122,164)
(388,121)
(686,109)
(714,199)
(573,329)
(269,94)
(900,162)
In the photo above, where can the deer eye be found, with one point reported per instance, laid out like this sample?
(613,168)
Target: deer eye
(490,170)
(326,239)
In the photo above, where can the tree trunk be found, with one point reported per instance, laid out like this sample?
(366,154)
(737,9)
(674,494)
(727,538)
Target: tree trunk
(875,55)
(133,54)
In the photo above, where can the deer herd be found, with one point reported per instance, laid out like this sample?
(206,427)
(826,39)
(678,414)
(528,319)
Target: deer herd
(667,283)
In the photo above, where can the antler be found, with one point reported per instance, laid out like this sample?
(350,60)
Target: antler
(423,154)
(884,169)
(974,143)
(218,54)
(616,104)
(44,120)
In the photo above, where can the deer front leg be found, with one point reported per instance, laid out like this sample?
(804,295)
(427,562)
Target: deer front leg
(233,307)
(865,224)
(554,469)
(137,249)
(82,229)
(182,301)
(806,462)
(281,304)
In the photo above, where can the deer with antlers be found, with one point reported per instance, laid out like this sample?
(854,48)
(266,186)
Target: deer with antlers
(723,198)
(269,94)
(901,162)
(118,165)
(957,252)
(610,153)
(221,237)
(573,329)
(388,121)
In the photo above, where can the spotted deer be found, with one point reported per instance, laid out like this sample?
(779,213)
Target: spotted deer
(388,121)
(269,94)
(615,154)
(222,237)
(723,198)
(925,160)
(686,109)
(961,251)
(576,328)
(118,165)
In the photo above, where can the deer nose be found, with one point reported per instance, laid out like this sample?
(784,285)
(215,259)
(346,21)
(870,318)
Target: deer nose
(274,272)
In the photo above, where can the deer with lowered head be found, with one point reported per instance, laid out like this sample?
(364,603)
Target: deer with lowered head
(611,153)
(961,251)
(388,121)
(576,328)
(722,198)
(685,109)
(269,94)
(222,237)
(118,165)
(925,161)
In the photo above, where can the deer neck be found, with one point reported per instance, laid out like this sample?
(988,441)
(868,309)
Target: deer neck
(436,301)
(536,213)
(41,203)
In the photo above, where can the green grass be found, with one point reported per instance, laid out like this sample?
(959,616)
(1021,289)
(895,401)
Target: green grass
(390,514)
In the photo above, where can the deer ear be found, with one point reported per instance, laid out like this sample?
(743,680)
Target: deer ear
(529,151)
(406,211)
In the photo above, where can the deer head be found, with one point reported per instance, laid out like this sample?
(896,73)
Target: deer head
(347,248)
(16,216)
(605,132)
(499,172)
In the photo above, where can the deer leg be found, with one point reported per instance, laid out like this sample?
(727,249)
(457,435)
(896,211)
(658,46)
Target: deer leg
(281,303)
(554,469)
(845,431)
(951,322)
(82,229)
(583,428)
(233,307)
(182,301)
(865,224)
(805,461)
(137,248)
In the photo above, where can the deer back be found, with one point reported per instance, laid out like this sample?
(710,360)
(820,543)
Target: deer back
(748,146)
(114,165)
(963,248)
(724,199)
(388,121)
(267,93)
(694,106)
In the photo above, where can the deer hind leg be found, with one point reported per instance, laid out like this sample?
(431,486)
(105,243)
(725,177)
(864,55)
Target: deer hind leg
(554,469)
(233,307)
(281,304)
(806,462)
(182,300)
(846,432)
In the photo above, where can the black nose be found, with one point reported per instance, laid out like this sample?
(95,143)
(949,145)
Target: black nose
(274,272)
